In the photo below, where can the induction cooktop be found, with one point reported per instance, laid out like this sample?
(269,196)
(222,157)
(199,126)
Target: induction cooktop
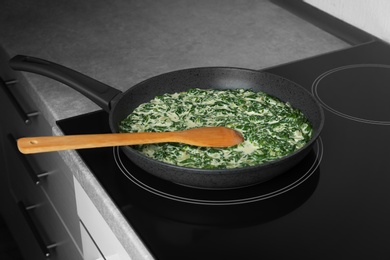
(332,205)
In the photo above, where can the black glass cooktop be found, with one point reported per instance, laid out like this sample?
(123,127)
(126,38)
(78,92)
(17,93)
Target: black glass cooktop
(332,205)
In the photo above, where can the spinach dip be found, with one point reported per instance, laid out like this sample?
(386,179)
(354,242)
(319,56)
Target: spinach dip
(271,128)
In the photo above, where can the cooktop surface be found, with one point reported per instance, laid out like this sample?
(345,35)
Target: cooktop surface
(332,205)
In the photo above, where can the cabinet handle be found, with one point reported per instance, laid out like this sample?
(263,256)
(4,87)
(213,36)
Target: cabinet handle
(25,116)
(34,229)
(33,176)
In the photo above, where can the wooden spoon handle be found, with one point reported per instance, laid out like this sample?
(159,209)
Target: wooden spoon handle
(29,145)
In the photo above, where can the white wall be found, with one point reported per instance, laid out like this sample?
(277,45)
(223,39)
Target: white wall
(372,16)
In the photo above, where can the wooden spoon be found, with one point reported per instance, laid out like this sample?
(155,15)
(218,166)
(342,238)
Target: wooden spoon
(202,136)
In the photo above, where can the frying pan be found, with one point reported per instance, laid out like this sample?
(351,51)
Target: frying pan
(120,104)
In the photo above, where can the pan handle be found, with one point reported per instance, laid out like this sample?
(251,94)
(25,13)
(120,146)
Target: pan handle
(98,92)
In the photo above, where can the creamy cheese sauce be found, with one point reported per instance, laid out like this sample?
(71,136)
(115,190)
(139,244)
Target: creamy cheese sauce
(271,128)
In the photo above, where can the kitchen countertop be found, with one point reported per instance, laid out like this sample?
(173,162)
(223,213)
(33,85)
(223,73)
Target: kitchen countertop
(124,42)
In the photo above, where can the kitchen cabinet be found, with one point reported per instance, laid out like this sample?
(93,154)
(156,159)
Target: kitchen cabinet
(46,216)
(38,201)
(37,194)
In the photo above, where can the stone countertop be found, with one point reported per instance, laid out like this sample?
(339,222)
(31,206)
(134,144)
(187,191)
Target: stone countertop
(124,42)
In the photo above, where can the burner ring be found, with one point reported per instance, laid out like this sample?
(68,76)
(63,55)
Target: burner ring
(244,195)
(363,84)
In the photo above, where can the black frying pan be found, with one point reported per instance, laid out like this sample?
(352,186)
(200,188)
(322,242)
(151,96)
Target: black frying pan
(119,105)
